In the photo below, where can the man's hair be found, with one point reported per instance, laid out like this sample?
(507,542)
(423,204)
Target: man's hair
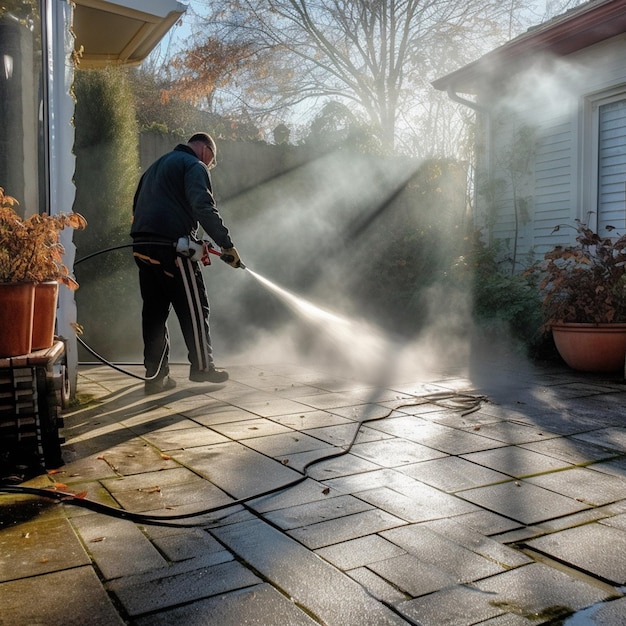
(204,138)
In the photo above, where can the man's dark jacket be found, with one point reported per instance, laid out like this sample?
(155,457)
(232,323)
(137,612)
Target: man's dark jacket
(174,196)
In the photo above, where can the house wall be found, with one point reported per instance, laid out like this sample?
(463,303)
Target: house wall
(556,100)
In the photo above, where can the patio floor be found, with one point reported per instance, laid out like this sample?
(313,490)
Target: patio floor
(495,498)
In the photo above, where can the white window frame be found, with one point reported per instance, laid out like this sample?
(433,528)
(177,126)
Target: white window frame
(587,209)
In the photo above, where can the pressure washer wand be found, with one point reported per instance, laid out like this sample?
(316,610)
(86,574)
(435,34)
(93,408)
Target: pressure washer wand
(227,258)
(198,251)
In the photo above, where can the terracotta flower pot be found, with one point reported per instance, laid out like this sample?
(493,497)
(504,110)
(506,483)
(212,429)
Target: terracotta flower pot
(17,302)
(45,313)
(591,347)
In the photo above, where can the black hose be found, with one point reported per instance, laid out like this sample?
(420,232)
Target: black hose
(472,404)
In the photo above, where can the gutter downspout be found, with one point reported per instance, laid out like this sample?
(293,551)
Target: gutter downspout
(453,95)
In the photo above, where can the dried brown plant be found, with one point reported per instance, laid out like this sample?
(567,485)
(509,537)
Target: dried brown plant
(30,250)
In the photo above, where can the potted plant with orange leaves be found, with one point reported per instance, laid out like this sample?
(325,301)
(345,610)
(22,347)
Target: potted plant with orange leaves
(31,260)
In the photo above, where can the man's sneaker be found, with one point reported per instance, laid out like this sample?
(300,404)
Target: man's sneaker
(209,376)
(157,386)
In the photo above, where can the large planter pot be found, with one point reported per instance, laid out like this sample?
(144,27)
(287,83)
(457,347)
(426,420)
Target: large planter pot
(44,315)
(17,303)
(591,347)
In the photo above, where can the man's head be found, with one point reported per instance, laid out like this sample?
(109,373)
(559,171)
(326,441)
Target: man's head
(204,147)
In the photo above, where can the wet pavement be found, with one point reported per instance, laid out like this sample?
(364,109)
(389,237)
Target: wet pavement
(495,498)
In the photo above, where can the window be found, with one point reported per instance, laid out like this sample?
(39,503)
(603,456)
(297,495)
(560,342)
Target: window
(612,166)
(22,145)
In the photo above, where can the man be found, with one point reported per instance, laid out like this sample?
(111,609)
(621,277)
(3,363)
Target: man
(174,198)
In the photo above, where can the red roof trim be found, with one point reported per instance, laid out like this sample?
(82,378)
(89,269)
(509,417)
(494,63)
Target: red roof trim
(578,29)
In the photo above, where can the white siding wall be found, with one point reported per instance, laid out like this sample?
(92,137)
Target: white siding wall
(562,106)
(554,190)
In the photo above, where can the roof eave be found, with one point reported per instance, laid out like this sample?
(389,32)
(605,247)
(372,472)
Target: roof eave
(573,31)
(121,32)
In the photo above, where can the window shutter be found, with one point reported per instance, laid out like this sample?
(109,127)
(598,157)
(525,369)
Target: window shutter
(612,167)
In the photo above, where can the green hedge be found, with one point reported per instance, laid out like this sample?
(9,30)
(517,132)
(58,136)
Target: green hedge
(107,170)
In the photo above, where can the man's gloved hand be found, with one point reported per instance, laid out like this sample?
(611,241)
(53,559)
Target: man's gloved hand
(231,256)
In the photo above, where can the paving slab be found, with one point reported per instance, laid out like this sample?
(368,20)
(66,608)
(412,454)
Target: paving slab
(454,606)
(344,434)
(249,429)
(417,503)
(509,619)
(454,530)
(612,438)
(270,407)
(18,509)
(453,473)
(611,613)
(427,546)
(376,586)
(182,438)
(336,400)
(315,512)
(134,457)
(487,523)
(311,419)
(595,548)
(438,436)
(572,450)
(72,597)
(355,483)
(344,465)
(167,491)
(403,405)
(156,419)
(256,606)
(413,576)
(86,466)
(522,501)
(540,592)
(217,412)
(38,547)
(584,485)
(516,461)
(188,543)
(236,469)
(302,493)
(359,552)
(616,521)
(515,433)
(367,413)
(345,528)
(286,445)
(167,589)
(616,466)
(117,546)
(394,452)
(329,595)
